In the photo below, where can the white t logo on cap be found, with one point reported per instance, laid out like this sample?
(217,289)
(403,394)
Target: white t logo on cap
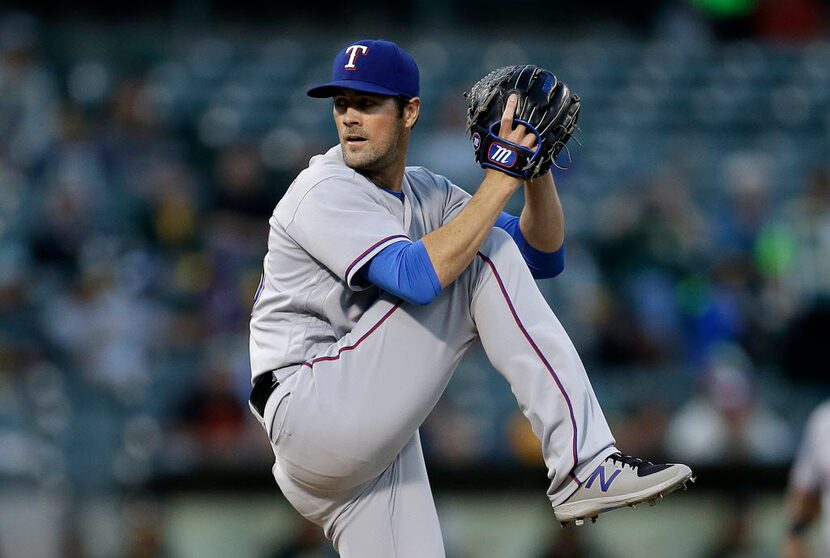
(352,51)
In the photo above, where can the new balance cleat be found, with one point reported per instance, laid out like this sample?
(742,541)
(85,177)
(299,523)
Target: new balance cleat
(621,480)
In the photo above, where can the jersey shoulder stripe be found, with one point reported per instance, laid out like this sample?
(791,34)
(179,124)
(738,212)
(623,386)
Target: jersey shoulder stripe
(357,260)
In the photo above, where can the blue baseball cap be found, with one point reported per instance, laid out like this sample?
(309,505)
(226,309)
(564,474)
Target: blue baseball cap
(380,67)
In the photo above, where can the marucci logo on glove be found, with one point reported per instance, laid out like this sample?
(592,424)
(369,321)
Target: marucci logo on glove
(545,107)
(502,155)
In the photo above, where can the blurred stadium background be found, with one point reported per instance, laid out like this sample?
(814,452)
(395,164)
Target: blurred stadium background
(142,150)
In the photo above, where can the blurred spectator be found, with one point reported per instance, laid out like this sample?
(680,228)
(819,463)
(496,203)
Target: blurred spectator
(641,430)
(241,188)
(28,92)
(746,177)
(453,436)
(172,206)
(795,258)
(796,250)
(646,244)
(468,424)
(156,192)
(734,539)
(727,422)
(213,427)
(446,147)
(236,236)
(20,334)
(75,196)
(716,307)
(108,330)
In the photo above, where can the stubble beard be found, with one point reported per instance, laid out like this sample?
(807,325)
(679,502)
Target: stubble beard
(377,159)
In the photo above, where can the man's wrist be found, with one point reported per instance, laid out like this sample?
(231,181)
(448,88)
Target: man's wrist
(503,180)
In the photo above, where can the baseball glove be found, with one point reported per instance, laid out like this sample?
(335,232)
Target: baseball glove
(546,107)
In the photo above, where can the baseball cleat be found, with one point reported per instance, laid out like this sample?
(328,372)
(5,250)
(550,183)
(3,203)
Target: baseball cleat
(621,480)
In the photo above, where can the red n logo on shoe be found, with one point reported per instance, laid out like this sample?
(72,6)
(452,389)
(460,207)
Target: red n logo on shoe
(604,485)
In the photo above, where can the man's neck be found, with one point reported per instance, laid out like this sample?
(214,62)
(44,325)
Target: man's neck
(393,185)
(391,178)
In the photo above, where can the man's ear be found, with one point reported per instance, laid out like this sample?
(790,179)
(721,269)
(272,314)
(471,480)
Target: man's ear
(411,112)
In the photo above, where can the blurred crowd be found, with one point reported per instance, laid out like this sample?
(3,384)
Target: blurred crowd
(133,222)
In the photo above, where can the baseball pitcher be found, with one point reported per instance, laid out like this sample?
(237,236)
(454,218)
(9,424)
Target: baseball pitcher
(379,277)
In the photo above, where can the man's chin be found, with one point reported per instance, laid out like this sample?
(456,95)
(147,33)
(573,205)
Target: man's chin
(358,163)
(352,164)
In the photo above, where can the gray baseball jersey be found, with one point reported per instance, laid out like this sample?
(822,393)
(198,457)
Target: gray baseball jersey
(331,221)
(811,470)
(360,369)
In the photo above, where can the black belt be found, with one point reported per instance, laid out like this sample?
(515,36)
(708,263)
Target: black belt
(264,386)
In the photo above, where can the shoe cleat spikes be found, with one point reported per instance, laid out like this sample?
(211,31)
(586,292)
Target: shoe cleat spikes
(579,522)
(593,520)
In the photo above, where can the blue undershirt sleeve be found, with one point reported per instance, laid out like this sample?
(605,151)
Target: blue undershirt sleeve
(542,265)
(405,270)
